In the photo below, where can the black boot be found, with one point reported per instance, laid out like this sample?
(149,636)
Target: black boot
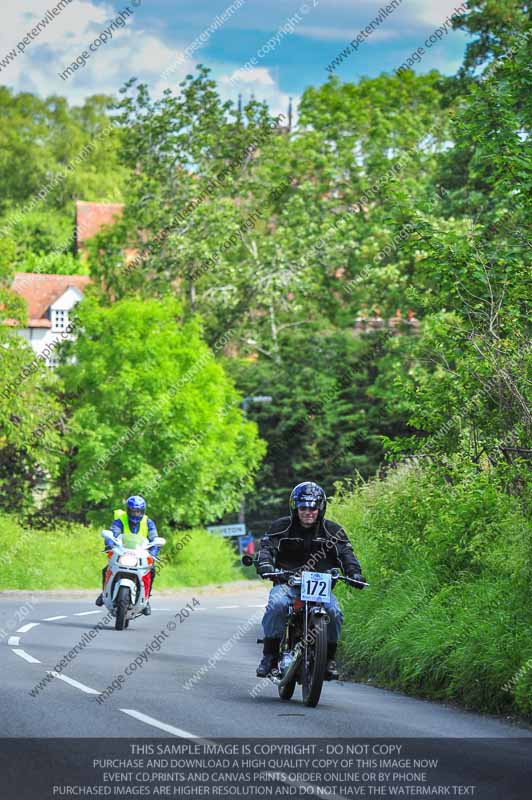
(99,599)
(331,673)
(270,657)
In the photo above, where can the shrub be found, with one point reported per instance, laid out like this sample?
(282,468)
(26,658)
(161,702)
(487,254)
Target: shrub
(447,614)
(70,557)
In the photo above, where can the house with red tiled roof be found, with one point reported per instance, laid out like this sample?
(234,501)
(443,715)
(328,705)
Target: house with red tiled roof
(90,219)
(50,300)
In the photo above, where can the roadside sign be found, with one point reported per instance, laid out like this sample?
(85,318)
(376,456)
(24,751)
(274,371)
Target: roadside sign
(238,529)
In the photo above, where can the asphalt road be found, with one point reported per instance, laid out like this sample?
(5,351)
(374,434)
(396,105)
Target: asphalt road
(197,679)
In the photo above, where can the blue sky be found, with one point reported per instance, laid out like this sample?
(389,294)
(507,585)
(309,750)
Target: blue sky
(152,44)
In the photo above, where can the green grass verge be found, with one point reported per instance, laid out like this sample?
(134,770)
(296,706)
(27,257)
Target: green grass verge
(448,612)
(70,557)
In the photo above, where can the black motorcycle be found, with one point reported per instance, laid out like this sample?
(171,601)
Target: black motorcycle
(303,649)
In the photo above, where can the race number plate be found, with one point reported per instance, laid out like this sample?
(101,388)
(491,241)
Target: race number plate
(316,586)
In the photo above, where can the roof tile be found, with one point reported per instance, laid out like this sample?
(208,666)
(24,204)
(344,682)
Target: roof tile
(40,291)
(90,217)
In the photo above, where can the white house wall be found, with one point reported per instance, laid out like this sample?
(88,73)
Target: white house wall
(41,338)
(67,301)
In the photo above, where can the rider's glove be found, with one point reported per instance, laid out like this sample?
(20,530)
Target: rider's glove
(356,576)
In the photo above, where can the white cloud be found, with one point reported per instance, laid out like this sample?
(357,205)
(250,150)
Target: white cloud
(257,75)
(143,52)
(349,18)
(344,34)
(432,13)
(130,51)
(257,81)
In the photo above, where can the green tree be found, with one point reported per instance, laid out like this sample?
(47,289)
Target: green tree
(470,256)
(329,414)
(30,415)
(41,232)
(52,154)
(153,413)
(495,23)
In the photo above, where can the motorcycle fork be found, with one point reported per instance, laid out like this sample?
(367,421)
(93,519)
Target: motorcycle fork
(289,638)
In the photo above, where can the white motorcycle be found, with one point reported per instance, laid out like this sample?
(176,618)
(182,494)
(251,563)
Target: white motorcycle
(128,576)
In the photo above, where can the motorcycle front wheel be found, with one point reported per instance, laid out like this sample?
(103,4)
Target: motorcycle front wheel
(286,691)
(315,664)
(122,605)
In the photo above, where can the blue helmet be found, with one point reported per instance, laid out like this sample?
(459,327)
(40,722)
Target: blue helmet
(136,507)
(307,495)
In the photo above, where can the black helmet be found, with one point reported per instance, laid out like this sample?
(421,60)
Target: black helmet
(307,495)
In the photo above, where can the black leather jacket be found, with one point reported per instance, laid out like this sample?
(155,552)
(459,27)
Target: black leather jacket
(335,549)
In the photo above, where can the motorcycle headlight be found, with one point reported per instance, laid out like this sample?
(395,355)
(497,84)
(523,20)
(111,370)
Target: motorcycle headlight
(128,561)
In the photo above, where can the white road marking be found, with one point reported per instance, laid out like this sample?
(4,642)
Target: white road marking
(28,627)
(86,613)
(72,682)
(186,735)
(14,641)
(262,605)
(227,606)
(26,656)
(52,619)
(162,725)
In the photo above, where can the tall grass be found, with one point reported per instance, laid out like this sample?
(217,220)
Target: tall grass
(448,614)
(70,557)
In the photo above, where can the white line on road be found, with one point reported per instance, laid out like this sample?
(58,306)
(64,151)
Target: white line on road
(227,606)
(262,605)
(311,788)
(26,656)
(72,682)
(52,619)
(14,641)
(28,627)
(86,613)
(162,725)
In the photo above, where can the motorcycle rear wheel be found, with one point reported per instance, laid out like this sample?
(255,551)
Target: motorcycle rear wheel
(122,605)
(314,671)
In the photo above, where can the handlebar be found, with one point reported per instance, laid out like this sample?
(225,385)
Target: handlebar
(351,581)
(335,574)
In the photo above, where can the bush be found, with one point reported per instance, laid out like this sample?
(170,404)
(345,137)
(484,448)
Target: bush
(197,557)
(448,612)
(69,557)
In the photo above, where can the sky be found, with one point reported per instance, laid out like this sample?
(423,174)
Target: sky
(272,49)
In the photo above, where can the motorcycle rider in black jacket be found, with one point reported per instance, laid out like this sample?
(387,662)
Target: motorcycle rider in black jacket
(306,522)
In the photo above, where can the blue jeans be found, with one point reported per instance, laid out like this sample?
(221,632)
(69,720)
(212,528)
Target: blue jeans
(276,614)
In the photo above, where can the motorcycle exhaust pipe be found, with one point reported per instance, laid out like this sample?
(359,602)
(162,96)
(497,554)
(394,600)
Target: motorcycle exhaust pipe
(292,669)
